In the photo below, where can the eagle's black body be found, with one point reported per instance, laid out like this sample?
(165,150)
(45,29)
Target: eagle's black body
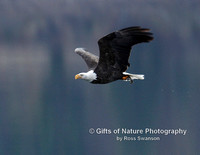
(115,50)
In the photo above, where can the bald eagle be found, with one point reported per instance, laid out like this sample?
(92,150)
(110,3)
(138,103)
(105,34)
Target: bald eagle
(115,50)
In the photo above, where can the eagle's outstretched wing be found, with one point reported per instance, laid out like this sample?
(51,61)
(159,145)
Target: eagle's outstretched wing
(90,59)
(115,48)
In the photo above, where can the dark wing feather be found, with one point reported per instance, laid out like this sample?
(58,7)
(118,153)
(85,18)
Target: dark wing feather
(90,59)
(115,48)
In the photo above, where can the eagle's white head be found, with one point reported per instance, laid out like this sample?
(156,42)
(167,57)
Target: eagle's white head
(88,76)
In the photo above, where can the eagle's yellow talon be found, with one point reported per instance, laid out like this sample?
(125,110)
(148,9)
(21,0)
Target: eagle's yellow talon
(125,77)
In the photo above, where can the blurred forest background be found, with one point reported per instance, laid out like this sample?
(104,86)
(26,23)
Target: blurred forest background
(44,111)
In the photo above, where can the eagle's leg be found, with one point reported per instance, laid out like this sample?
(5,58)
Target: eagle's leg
(131,81)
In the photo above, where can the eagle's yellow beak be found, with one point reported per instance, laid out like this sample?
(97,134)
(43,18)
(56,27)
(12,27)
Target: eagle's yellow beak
(77,76)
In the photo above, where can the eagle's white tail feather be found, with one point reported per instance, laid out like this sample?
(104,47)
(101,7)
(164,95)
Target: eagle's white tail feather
(134,76)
